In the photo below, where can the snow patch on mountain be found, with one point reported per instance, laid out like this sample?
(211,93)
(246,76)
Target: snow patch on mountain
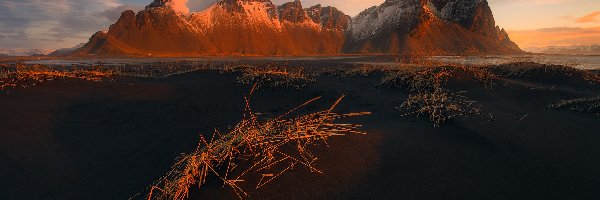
(392,15)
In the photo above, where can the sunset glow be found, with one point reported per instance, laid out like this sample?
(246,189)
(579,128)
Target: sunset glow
(540,23)
(560,36)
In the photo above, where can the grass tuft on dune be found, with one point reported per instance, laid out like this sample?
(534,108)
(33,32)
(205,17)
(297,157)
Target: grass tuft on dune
(428,95)
(275,77)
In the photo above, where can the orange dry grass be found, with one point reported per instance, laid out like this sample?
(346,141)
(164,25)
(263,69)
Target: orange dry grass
(417,79)
(428,78)
(275,77)
(27,76)
(441,106)
(429,97)
(267,148)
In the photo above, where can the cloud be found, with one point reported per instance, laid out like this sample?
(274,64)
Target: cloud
(568,30)
(198,5)
(113,14)
(556,36)
(529,2)
(592,17)
(57,23)
(567,17)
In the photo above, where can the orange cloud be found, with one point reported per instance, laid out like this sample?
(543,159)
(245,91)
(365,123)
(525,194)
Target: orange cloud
(592,17)
(557,36)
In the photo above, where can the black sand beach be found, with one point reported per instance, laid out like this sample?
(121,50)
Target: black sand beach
(75,139)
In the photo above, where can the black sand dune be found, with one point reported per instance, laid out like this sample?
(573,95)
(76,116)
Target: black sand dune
(71,139)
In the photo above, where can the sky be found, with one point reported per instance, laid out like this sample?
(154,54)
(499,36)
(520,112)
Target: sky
(53,24)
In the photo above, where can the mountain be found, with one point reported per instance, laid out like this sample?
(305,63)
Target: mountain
(7,52)
(24,52)
(568,50)
(258,27)
(429,27)
(250,27)
(36,52)
(66,51)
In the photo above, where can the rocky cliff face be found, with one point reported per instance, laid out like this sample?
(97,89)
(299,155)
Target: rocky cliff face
(474,15)
(293,12)
(229,27)
(428,27)
(258,27)
(329,17)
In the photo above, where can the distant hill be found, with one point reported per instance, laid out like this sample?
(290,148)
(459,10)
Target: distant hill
(571,50)
(66,51)
(258,27)
(23,52)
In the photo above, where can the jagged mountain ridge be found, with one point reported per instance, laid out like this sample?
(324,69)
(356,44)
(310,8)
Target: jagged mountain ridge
(258,27)
(428,27)
(255,27)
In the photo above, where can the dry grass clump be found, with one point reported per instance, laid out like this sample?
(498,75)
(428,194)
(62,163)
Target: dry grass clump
(392,66)
(275,77)
(586,105)
(482,75)
(417,79)
(32,75)
(543,72)
(430,97)
(441,106)
(428,78)
(263,149)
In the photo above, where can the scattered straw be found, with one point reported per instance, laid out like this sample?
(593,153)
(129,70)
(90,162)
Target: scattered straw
(274,77)
(268,148)
(429,97)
